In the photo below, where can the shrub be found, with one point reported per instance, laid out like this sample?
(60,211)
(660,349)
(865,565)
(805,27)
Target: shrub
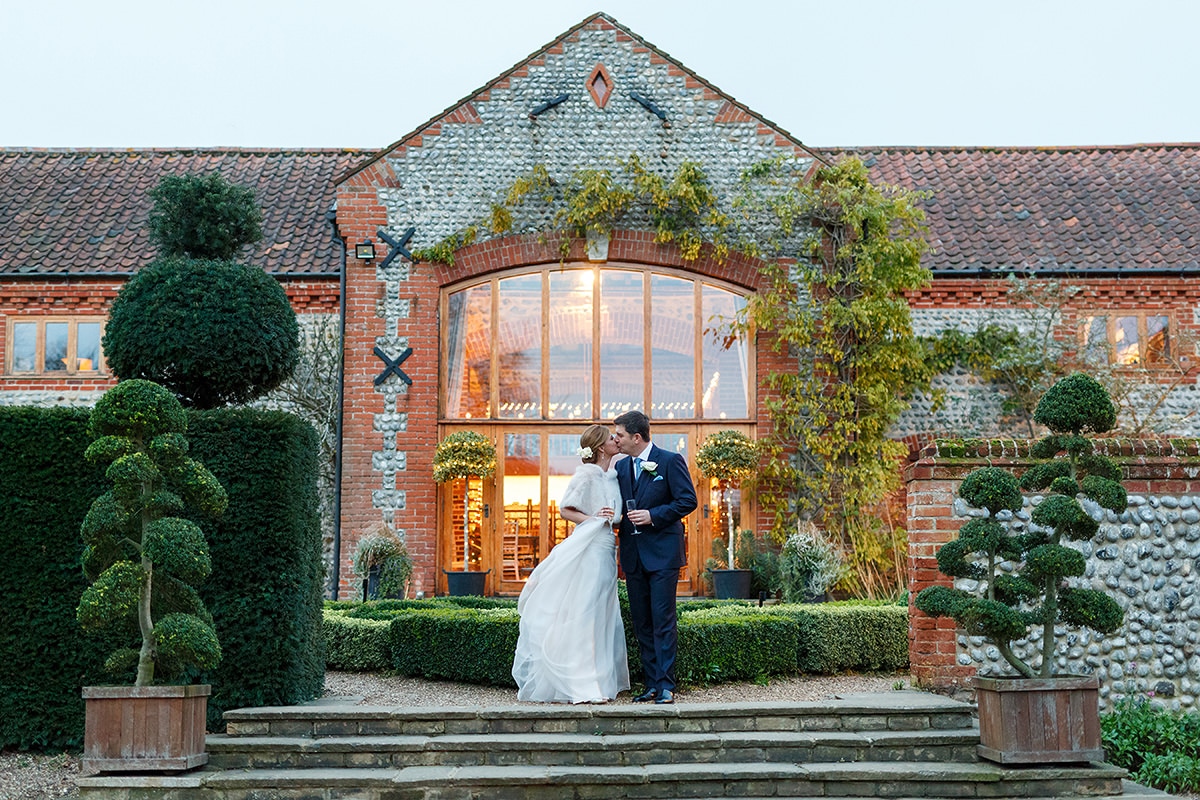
(212,332)
(1160,748)
(460,644)
(833,637)
(356,645)
(717,644)
(808,565)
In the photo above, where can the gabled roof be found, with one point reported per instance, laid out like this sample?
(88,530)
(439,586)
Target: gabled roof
(1052,209)
(464,110)
(84,211)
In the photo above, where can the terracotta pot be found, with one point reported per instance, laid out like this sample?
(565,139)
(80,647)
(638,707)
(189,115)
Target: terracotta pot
(1039,720)
(144,728)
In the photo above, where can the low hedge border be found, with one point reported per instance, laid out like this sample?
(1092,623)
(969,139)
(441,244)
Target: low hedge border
(472,640)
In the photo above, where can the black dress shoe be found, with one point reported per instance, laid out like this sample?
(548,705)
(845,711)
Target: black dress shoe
(665,697)
(647,696)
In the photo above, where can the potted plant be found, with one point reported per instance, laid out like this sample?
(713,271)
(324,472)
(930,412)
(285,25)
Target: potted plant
(728,457)
(143,558)
(381,559)
(1038,717)
(809,565)
(465,454)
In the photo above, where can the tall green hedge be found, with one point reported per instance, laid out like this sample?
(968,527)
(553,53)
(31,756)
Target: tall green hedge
(265,591)
(267,585)
(46,488)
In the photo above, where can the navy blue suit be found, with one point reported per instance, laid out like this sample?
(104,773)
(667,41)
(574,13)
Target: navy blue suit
(651,559)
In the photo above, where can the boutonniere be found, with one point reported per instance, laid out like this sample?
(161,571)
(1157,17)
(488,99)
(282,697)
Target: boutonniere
(650,466)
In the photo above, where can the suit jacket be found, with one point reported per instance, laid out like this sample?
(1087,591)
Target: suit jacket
(669,496)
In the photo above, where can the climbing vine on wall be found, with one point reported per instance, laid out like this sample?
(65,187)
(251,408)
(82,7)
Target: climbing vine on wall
(840,316)
(682,209)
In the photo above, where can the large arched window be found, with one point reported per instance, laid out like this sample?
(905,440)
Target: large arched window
(587,342)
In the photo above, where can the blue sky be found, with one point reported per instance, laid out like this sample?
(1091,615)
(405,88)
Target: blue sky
(362,73)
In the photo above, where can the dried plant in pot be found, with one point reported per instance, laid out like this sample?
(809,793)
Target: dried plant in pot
(144,554)
(465,455)
(1037,596)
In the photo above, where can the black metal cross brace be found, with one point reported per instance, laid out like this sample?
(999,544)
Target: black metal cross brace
(549,104)
(396,248)
(648,105)
(392,365)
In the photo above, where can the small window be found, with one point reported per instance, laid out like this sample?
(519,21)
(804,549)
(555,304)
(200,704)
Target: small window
(1127,339)
(54,346)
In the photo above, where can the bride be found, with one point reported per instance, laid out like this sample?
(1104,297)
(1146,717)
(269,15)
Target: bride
(571,647)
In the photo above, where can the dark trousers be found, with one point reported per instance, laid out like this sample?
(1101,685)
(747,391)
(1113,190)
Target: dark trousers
(652,608)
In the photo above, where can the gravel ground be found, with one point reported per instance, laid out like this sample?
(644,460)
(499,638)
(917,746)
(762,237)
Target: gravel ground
(29,776)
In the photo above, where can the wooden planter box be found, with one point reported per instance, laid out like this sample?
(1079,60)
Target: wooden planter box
(1039,720)
(144,728)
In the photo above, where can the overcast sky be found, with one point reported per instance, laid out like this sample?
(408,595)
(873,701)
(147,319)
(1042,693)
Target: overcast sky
(363,73)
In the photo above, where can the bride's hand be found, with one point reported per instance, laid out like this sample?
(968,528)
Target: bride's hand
(605,514)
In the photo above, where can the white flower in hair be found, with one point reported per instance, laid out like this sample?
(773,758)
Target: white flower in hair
(585,452)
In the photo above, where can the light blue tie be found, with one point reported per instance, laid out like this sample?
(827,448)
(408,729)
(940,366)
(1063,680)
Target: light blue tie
(637,468)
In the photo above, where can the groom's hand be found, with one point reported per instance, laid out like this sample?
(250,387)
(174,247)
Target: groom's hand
(640,517)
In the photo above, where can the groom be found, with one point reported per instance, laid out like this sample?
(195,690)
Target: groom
(651,546)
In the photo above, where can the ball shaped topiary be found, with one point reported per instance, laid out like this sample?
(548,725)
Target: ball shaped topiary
(992,488)
(1076,403)
(213,332)
(203,216)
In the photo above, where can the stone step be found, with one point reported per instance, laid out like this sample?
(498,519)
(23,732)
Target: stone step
(576,749)
(902,710)
(860,780)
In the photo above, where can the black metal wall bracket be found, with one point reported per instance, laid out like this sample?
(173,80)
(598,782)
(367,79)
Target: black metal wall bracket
(396,247)
(649,106)
(549,104)
(392,365)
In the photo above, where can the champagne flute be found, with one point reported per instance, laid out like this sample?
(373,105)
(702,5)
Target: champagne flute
(630,505)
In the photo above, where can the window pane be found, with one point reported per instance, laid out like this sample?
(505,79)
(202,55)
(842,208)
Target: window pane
(24,347)
(1095,340)
(726,386)
(473,524)
(1125,340)
(1158,347)
(469,353)
(672,348)
(571,344)
(519,342)
(622,339)
(522,505)
(56,346)
(563,461)
(87,346)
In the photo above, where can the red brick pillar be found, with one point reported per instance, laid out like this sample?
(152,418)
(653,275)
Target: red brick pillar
(931,487)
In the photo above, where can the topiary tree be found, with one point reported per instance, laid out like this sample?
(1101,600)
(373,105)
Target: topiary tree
(213,332)
(203,216)
(729,457)
(141,555)
(209,329)
(1038,593)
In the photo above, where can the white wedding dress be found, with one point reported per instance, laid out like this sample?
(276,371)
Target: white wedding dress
(572,643)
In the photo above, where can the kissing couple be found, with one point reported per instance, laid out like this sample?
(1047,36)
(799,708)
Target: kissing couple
(571,647)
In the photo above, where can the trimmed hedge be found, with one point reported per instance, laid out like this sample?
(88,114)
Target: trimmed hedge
(439,638)
(268,581)
(264,594)
(460,644)
(46,487)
